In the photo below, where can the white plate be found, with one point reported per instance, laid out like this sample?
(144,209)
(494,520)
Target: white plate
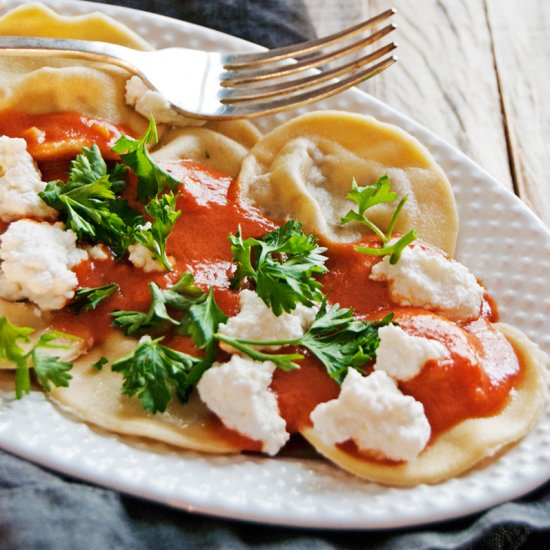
(500,240)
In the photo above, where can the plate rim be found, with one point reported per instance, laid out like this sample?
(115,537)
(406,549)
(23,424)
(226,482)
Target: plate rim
(232,511)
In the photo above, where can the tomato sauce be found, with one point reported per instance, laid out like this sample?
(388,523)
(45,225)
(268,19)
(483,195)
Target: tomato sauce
(198,244)
(474,382)
(55,137)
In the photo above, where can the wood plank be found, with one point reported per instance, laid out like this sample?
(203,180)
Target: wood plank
(522,48)
(329,16)
(445,77)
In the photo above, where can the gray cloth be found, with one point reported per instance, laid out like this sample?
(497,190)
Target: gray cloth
(271,23)
(39,509)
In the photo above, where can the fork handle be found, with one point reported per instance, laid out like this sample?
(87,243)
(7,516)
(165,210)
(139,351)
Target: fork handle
(97,51)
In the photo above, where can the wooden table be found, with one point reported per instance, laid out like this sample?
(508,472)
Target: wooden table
(473,71)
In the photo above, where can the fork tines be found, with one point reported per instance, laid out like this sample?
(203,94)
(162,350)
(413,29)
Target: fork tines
(248,77)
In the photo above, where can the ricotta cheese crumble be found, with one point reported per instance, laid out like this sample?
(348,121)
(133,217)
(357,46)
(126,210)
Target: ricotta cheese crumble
(20,183)
(256,321)
(148,102)
(36,263)
(376,415)
(424,279)
(238,393)
(141,257)
(402,355)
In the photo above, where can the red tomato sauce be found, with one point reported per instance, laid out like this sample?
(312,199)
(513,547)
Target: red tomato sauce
(198,244)
(475,382)
(58,136)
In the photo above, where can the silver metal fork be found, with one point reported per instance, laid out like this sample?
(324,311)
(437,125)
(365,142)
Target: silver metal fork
(213,85)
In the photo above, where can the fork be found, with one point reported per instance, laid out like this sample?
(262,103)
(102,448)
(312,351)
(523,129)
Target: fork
(211,85)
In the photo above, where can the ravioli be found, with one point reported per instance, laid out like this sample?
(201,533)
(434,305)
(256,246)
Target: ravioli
(468,443)
(219,145)
(304,168)
(32,85)
(39,20)
(95,397)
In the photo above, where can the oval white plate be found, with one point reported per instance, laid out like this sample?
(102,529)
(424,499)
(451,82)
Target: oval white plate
(500,240)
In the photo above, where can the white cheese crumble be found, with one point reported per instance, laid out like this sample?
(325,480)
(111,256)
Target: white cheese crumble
(20,183)
(98,252)
(256,321)
(37,261)
(141,257)
(403,355)
(148,102)
(238,392)
(433,282)
(372,411)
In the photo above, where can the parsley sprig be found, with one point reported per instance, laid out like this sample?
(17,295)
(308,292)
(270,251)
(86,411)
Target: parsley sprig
(154,235)
(96,213)
(338,339)
(89,201)
(365,198)
(153,371)
(48,368)
(179,297)
(88,298)
(152,180)
(282,264)
(192,313)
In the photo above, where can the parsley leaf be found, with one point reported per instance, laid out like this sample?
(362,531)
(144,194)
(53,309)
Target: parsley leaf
(88,199)
(152,372)
(12,351)
(100,363)
(336,338)
(155,235)
(282,265)
(9,335)
(183,294)
(48,368)
(202,320)
(179,297)
(365,198)
(90,166)
(152,179)
(341,341)
(88,298)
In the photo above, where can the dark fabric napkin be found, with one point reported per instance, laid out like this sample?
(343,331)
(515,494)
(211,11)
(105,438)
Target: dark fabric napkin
(39,509)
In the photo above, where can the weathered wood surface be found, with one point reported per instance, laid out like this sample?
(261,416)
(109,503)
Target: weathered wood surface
(521,36)
(476,73)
